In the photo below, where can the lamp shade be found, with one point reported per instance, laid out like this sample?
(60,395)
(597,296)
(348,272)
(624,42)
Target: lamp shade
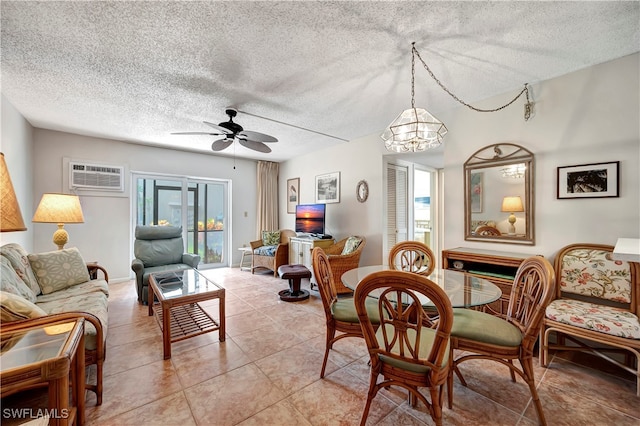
(59,208)
(10,214)
(512,204)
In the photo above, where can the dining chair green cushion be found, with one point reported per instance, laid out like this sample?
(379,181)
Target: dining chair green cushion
(426,342)
(481,327)
(345,310)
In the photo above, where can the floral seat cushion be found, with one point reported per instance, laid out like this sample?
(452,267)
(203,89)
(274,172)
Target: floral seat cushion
(590,316)
(265,250)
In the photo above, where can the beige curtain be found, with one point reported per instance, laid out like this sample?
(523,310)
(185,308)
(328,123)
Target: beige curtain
(267,217)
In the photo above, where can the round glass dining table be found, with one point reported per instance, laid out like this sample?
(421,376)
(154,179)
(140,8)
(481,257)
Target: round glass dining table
(464,290)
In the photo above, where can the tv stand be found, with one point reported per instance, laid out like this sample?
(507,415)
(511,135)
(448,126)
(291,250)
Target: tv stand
(300,250)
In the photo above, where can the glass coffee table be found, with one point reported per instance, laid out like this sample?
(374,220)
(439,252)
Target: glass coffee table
(177,310)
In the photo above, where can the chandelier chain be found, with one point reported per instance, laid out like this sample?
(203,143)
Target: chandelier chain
(525,90)
(413,80)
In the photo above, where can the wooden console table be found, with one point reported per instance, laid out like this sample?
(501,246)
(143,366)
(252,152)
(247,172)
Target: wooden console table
(496,266)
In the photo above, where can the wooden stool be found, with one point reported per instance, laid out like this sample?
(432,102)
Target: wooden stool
(295,274)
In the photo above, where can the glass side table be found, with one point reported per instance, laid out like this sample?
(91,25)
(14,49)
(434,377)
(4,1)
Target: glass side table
(45,351)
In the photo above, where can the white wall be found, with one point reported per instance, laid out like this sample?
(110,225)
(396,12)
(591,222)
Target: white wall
(106,234)
(17,146)
(589,116)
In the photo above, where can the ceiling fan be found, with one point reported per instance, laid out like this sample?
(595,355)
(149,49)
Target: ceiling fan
(233,131)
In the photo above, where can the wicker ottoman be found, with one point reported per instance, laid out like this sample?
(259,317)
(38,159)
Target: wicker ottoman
(295,274)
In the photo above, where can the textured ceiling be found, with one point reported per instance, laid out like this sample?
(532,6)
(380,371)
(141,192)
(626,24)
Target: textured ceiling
(137,71)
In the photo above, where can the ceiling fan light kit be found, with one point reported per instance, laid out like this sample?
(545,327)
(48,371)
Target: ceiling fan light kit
(416,129)
(232,132)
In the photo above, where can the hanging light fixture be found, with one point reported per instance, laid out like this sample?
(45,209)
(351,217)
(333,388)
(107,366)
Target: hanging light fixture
(514,171)
(416,129)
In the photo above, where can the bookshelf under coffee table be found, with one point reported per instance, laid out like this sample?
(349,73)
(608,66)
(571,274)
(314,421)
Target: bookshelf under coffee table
(175,296)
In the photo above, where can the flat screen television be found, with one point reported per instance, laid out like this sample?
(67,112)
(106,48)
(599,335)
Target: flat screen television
(310,218)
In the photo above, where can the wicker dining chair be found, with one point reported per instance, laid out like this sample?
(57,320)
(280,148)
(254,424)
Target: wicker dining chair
(339,312)
(484,336)
(408,349)
(412,256)
(487,230)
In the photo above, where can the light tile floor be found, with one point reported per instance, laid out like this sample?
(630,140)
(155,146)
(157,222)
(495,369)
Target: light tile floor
(267,373)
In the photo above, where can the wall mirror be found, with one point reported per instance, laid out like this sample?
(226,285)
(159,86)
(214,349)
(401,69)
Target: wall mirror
(499,201)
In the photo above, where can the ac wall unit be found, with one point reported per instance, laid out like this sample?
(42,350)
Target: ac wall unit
(96,177)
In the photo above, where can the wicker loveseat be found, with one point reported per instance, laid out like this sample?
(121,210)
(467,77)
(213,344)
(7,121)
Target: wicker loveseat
(272,251)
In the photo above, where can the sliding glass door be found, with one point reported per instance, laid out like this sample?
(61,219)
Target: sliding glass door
(200,206)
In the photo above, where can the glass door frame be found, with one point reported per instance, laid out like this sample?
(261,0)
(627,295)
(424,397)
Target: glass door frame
(185,181)
(436,214)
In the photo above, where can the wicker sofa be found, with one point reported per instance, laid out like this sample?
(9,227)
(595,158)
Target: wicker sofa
(37,285)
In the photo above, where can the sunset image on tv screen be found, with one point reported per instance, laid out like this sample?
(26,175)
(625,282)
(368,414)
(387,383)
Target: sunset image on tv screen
(310,218)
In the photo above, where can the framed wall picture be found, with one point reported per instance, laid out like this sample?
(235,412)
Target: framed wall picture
(597,180)
(293,194)
(328,188)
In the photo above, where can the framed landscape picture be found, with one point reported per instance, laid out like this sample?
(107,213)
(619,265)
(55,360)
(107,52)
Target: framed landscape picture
(328,188)
(293,194)
(597,180)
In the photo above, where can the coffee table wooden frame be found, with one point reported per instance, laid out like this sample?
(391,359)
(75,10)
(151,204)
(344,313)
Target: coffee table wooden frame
(182,317)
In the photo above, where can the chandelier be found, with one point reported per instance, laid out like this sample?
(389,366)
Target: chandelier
(416,129)
(514,171)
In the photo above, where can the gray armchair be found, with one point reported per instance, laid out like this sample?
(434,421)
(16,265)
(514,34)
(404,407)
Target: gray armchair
(158,249)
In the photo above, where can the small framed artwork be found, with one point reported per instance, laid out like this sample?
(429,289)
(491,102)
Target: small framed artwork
(328,188)
(597,180)
(293,194)
(476,192)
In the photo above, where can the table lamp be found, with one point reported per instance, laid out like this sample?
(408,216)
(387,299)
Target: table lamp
(512,205)
(10,214)
(60,209)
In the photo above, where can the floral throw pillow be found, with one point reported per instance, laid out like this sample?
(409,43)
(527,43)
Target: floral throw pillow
(270,238)
(19,260)
(10,282)
(57,270)
(351,245)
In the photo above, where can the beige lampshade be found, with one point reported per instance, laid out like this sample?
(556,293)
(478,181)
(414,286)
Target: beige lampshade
(59,208)
(10,214)
(512,204)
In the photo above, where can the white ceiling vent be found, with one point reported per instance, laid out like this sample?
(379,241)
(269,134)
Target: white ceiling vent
(96,177)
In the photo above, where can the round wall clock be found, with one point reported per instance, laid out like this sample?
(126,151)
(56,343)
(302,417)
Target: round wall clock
(362,191)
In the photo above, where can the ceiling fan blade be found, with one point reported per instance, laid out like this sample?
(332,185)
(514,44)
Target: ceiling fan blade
(218,128)
(221,144)
(198,133)
(256,146)
(257,136)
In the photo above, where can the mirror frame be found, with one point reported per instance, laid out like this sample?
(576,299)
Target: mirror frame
(501,154)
